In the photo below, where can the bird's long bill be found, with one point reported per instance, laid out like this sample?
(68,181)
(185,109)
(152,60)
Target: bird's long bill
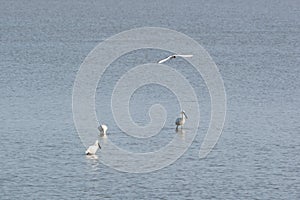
(185,115)
(99,146)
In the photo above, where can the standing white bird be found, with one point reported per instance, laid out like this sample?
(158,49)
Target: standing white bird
(103,128)
(93,149)
(181,120)
(174,56)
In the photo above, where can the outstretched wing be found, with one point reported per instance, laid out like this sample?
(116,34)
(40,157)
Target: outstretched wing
(164,60)
(174,56)
(184,56)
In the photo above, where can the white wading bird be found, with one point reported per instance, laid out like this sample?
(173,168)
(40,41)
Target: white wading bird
(93,149)
(180,121)
(174,56)
(102,128)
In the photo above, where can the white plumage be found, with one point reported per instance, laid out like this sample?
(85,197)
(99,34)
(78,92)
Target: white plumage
(181,120)
(103,128)
(174,56)
(93,149)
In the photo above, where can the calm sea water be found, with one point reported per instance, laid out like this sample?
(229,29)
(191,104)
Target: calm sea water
(256,46)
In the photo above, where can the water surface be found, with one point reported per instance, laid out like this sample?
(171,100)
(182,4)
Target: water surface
(256,47)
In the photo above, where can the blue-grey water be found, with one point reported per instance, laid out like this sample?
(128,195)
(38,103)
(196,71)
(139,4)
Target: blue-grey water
(256,46)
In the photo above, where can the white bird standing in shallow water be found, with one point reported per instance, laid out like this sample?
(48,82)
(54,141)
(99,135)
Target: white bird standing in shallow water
(174,56)
(93,149)
(180,121)
(103,128)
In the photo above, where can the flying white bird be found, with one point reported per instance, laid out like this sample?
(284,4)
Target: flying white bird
(174,56)
(93,149)
(102,128)
(181,120)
